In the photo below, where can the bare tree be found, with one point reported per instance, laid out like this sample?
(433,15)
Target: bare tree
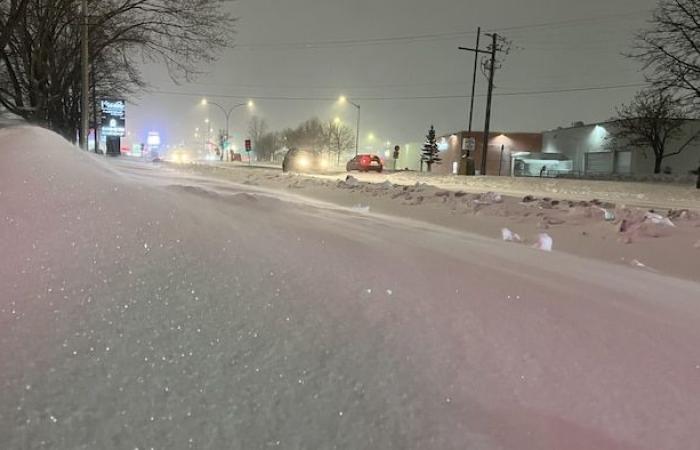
(650,121)
(11,11)
(309,134)
(40,65)
(670,48)
(257,128)
(341,138)
(268,145)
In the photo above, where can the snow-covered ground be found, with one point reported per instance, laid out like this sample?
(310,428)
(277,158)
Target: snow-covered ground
(605,229)
(675,193)
(146,307)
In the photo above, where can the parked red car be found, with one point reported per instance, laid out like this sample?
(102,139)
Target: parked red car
(365,163)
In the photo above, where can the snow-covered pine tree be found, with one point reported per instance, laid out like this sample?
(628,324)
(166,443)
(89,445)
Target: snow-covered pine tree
(430,153)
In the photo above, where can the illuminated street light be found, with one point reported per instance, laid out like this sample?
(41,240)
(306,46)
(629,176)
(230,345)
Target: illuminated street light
(227,114)
(336,121)
(343,100)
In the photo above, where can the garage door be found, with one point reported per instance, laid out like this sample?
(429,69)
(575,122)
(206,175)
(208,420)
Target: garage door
(599,163)
(623,163)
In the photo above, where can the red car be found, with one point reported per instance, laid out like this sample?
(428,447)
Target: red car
(365,163)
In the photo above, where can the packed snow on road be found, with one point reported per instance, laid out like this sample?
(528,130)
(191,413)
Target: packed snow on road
(145,306)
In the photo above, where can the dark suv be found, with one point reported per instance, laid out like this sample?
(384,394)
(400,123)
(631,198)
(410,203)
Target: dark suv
(301,160)
(365,163)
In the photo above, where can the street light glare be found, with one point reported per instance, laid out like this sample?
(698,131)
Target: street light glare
(206,120)
(343,99)
(336,120)
(250,103)
(204,101)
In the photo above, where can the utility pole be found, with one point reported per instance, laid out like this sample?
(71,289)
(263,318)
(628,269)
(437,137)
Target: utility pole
(476,66)
(357,138)
(489,98)
(492,72)
(85,88)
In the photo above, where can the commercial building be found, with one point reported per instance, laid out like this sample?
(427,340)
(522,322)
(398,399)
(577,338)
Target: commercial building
(593,153)
(502,147)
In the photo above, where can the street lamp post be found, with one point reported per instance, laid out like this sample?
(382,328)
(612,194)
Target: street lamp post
(344,99)
(227,114)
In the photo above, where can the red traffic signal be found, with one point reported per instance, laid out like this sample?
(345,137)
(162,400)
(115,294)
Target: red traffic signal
(248,145)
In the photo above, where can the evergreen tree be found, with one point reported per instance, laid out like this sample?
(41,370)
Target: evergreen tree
(430,153)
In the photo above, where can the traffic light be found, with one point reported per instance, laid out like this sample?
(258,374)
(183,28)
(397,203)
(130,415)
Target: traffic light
(248,145)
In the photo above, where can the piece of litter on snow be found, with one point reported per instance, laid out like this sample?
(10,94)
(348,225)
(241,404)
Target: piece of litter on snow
(351,181)
(360,208)
(509,236)
(389,292)
(658,219)
(608,215)
(641,265)
(544,242)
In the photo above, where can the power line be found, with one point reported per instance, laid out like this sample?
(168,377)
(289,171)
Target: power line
(432,36)
(413,97)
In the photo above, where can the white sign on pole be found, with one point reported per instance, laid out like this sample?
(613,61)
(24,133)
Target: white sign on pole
(469,144)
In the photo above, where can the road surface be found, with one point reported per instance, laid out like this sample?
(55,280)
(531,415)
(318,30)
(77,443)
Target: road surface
(143,308)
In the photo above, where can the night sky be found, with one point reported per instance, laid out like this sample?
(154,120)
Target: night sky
(295,57)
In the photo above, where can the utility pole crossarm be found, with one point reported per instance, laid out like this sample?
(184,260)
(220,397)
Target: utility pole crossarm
(488,52)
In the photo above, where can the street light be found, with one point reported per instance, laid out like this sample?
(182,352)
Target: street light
(343,100)
(227,114)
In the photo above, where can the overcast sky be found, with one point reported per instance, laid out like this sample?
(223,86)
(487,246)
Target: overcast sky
(319,49)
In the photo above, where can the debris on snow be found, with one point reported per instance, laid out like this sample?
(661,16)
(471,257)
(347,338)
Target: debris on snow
(360,208)
(350,182)
(658,219)
(544,242)
(608,215)
(509,236)
(641,265)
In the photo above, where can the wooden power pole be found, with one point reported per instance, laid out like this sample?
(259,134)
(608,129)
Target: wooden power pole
(492,72)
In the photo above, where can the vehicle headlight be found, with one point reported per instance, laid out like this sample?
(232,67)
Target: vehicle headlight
(304,162)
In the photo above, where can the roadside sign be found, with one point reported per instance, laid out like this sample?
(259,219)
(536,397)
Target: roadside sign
(469,144)
(113,118)
(397,149)
(248,145)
